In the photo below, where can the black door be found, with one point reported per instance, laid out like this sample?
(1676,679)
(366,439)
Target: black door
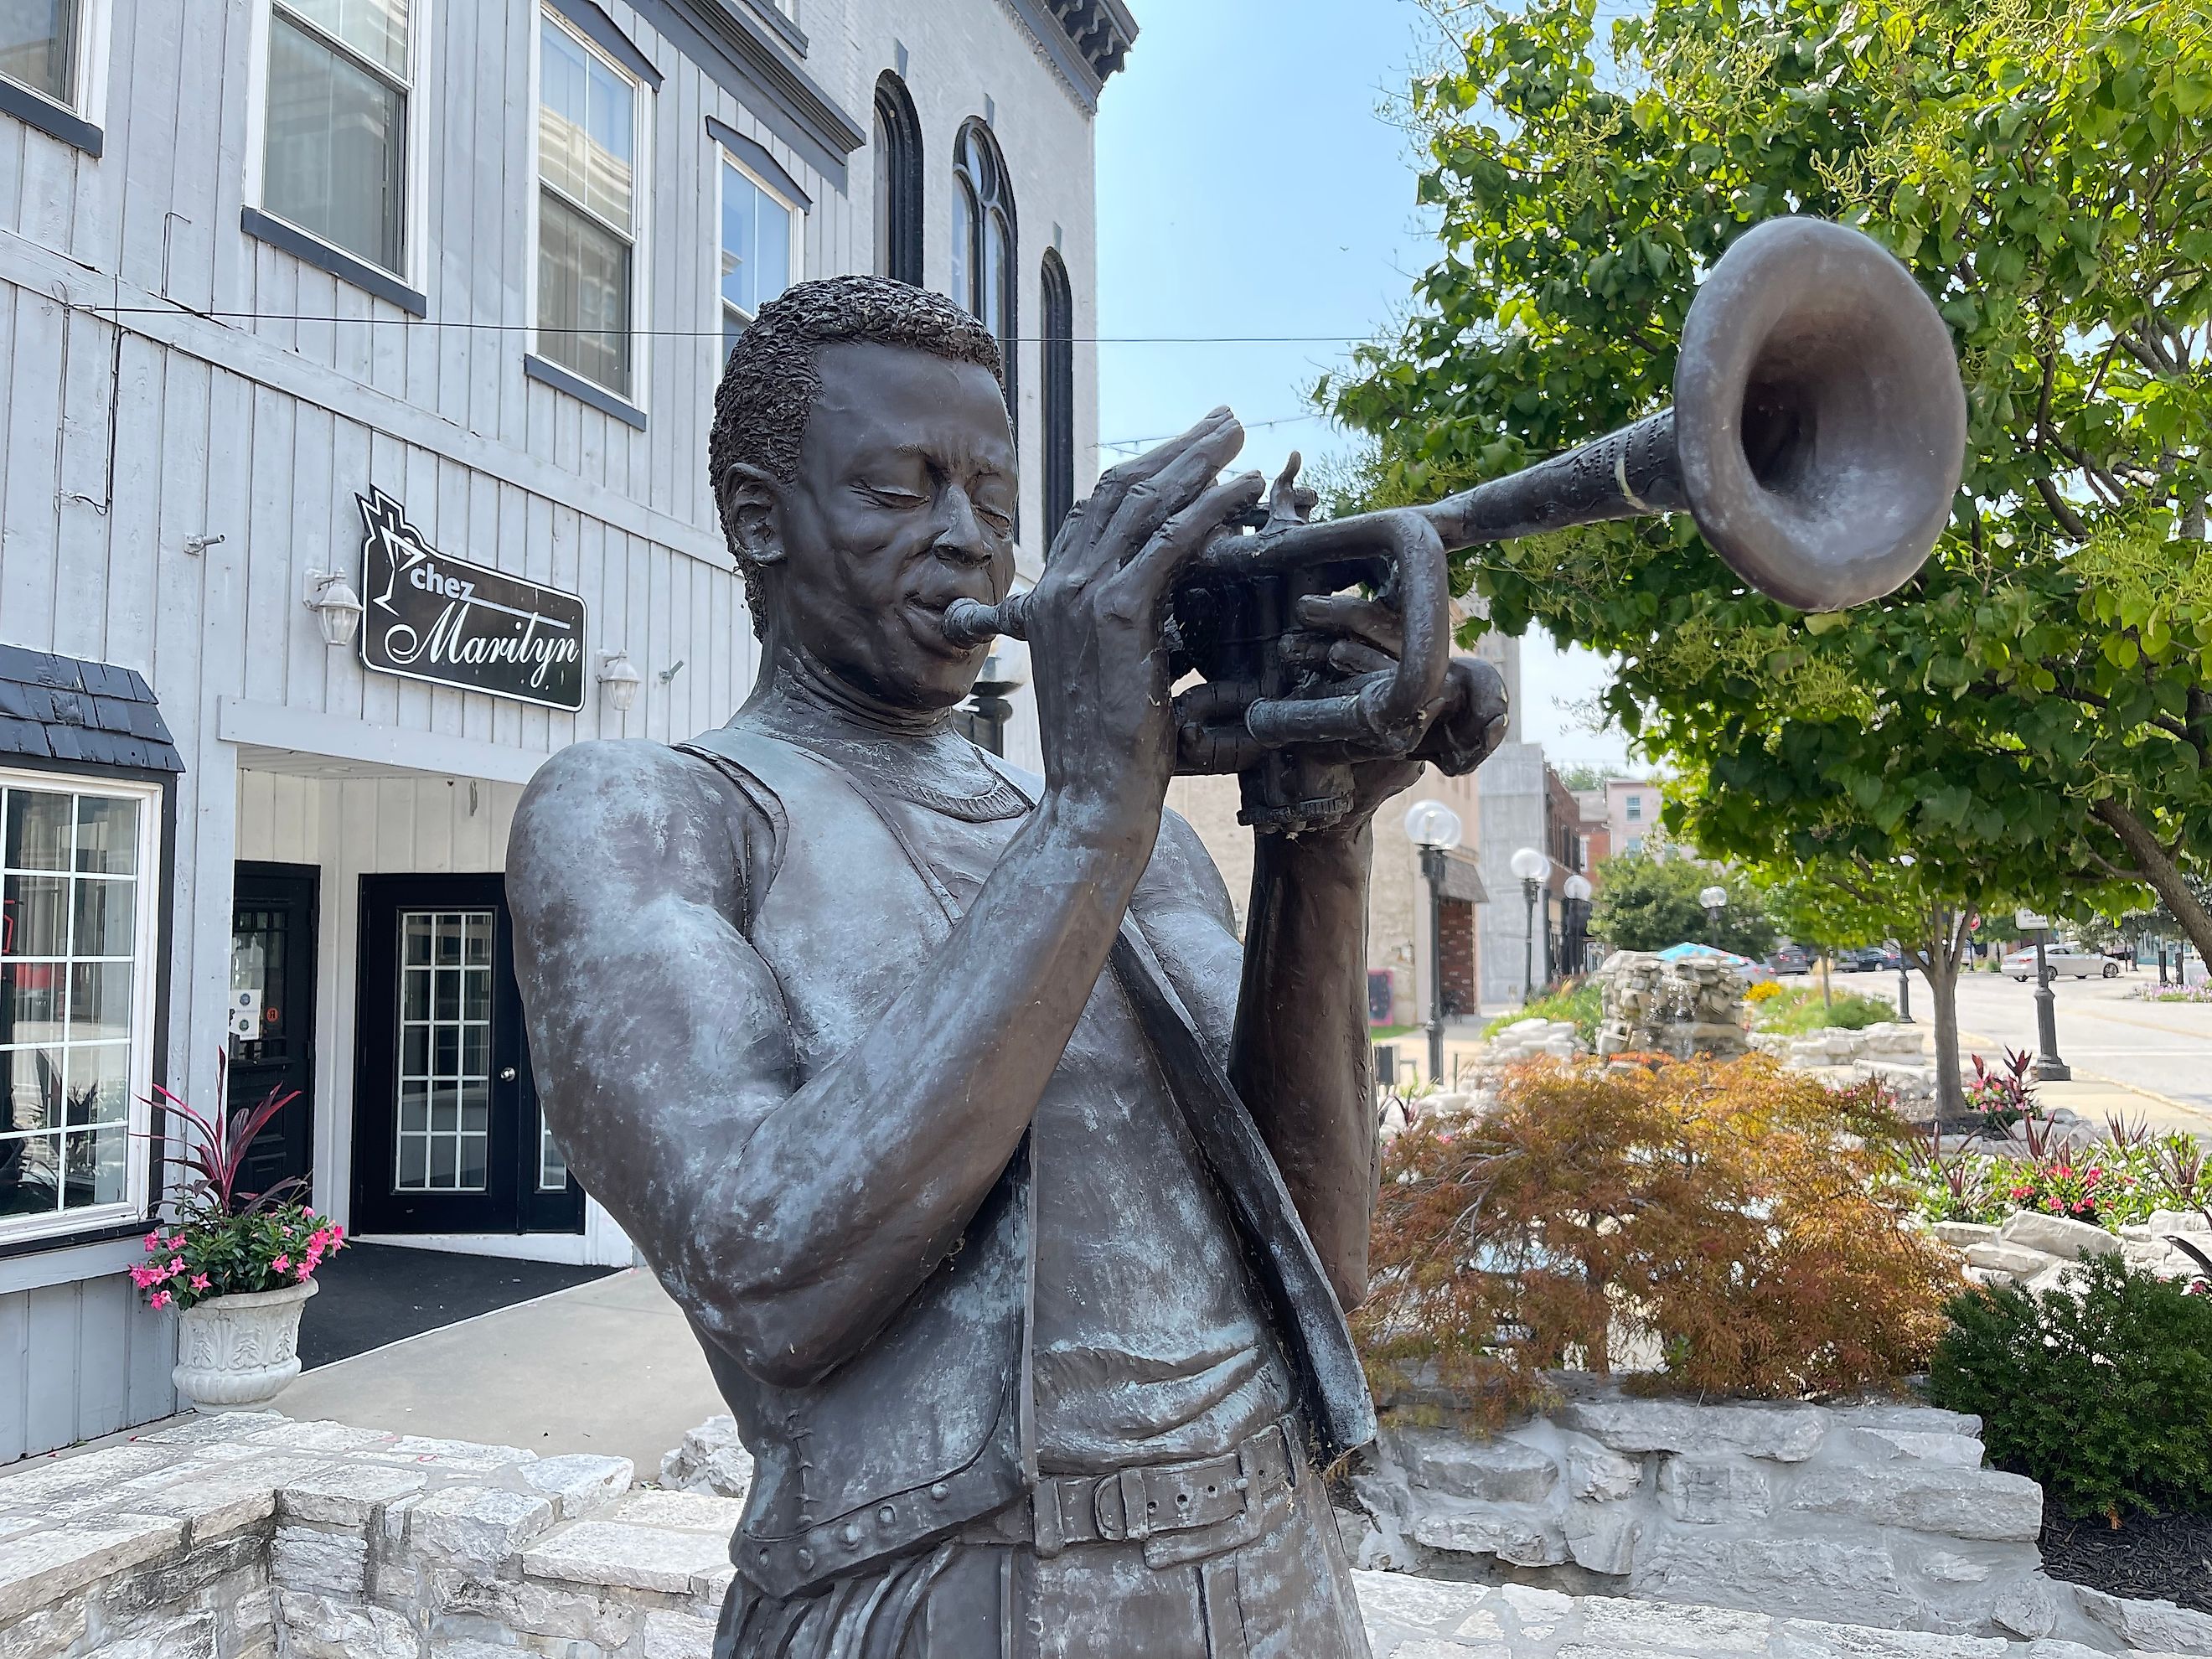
(448,1137)
(272,1014)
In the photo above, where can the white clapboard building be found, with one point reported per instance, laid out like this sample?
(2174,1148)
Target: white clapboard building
(415,305)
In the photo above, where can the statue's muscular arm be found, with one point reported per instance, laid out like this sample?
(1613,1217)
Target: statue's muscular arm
(1286,1011)
(789,1219)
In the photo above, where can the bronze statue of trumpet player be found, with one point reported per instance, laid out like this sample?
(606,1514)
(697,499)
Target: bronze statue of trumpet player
(1014,1198)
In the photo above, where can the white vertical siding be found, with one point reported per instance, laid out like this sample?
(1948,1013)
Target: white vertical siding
(164,377)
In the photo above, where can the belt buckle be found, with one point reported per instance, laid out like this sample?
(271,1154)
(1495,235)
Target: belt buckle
(1134,1523)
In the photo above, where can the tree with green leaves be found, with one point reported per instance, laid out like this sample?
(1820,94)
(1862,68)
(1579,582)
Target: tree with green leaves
(1647,903)
(1840,902)
(2031,717)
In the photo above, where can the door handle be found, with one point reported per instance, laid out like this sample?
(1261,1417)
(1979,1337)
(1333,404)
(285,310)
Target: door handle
(506,1074)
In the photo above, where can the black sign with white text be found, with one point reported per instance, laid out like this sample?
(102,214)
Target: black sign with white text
(432,616)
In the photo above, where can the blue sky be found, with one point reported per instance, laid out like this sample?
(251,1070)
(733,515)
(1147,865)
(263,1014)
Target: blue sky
(1255,207)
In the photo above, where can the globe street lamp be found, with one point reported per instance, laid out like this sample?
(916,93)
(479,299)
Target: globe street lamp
(1435,829)
(1533,868)
(1715,899)
(1575,923)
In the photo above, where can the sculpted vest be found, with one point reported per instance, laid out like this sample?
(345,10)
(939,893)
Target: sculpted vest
(929,1427)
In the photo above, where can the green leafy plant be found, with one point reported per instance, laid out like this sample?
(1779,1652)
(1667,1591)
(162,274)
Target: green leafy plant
(1581,1003)
(1799,1010)
(2104,1396)
(1735,1216)
(221,1239)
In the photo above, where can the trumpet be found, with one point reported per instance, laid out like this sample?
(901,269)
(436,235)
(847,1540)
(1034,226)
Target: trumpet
(1817,436)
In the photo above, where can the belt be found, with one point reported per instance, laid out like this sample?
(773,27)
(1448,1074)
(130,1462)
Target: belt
(1136,1503)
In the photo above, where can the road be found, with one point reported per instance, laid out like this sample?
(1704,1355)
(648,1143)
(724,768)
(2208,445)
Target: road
(2161,1050)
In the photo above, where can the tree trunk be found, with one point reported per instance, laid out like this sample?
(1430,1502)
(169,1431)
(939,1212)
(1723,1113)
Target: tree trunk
(2160,871)
(1942,971)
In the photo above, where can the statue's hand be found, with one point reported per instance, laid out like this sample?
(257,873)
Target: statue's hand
(1348,637)
(1098,618)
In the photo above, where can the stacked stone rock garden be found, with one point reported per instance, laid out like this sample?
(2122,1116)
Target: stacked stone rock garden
(1983,1348)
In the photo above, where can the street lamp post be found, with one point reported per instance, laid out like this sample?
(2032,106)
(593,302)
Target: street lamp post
(2049,1068)
(1904,982)
(1575,924)
(1715,899)
(1435,829)
(1532,867)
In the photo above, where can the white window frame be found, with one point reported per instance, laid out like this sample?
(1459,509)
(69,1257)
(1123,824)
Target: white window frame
(725,157)
(87,99)
(145,965)
(415,216)
(641,208)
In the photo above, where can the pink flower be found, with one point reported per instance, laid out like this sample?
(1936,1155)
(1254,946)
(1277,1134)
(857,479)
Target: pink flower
(306,1268)
(144,1276)
(199,1281)
(176,1264)
(177,1241)
(306,1210)
(153,1242)
(159,1299)
(282,1263)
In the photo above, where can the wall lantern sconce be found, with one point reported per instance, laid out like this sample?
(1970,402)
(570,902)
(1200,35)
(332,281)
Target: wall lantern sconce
(337,607)
(619,678)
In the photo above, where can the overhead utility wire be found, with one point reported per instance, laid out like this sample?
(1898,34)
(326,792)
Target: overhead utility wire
(684,333)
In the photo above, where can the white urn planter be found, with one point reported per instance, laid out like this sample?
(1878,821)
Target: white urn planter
(239,1350)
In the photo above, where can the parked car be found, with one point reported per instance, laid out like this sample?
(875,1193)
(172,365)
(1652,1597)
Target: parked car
(1791,959)
(2078,960)
(1863,960)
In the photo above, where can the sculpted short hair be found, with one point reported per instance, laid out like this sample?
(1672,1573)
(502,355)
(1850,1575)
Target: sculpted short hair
(771,381)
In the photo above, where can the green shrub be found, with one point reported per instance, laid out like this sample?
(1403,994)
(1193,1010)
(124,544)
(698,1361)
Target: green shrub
(1801,1009)
(2107,1399)
(1581,1002)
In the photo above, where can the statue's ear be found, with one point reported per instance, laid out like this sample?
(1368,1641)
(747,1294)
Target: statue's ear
(750,502)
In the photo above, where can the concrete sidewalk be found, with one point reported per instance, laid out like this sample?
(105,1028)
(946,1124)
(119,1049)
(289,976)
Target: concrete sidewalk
(608,1367)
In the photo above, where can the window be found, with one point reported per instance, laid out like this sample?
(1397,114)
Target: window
(758,229)
(1059,348)
(587,145)
(898,182)
(334,148)
(1635,808)
(444,1122)
(77,874)
(983,240)
(39,45)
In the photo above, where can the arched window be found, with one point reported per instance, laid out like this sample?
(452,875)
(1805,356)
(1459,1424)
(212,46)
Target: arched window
(1059,388)
(898,182)
(983,267)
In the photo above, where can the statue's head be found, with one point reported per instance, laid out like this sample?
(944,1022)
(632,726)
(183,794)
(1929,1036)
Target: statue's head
(865,477)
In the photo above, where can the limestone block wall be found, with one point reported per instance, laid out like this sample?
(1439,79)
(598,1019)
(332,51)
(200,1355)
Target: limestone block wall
(249,1536)
(1877,1515)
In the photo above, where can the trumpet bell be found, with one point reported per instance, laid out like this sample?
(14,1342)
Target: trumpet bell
(1820,424)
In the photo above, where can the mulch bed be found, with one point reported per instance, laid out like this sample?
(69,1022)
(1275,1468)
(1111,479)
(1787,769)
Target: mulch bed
(2165,1557)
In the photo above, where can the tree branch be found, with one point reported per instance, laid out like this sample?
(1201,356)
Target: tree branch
(2067,520)
(2159,870)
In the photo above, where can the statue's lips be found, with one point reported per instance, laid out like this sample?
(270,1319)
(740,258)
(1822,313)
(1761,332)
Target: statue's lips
(929,614)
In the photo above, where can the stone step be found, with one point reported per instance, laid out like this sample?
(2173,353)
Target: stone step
(1413,1617)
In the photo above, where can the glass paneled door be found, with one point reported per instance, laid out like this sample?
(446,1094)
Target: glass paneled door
(448,1137)
(271,1038)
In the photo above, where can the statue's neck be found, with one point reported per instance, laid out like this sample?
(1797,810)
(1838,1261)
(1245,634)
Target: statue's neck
(800,697)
